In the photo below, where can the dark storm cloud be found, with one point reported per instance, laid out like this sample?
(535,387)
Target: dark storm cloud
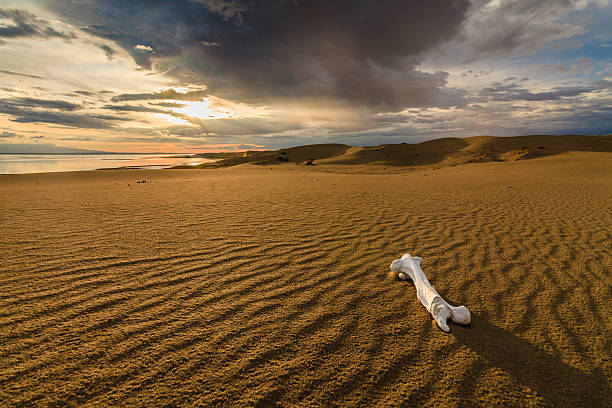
(24,24)
(229,10)
(363,51)
(125,40)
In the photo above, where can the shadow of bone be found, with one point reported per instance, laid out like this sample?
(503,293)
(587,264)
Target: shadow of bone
(560,385)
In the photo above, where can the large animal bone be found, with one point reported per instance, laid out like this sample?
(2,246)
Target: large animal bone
(410,267)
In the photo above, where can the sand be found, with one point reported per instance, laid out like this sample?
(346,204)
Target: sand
(437,153)
(269,286)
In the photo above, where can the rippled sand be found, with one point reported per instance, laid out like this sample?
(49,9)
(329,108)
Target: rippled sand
(256,287)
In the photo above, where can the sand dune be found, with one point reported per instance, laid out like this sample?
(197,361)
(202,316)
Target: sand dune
(248,286)
(438,152)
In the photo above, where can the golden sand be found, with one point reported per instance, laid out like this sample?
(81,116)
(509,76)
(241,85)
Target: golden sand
(435,153)
(269,286)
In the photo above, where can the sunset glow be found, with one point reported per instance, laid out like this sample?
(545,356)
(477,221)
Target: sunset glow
(103,75)
(216,108)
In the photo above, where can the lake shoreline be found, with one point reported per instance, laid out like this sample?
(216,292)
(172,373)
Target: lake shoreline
(51,163)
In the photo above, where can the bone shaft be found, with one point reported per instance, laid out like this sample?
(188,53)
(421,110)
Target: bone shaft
(425,292)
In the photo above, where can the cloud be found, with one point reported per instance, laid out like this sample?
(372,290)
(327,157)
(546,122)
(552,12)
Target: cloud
(108,51)
(125,41)
(76,138)
(20,74)
(513,27)
(141,47)
(30,110)
(229,10)
(24,24)
(43,103)
(285,72)
(513,92)
(360,51)
(503,29)
(164,94)
(6,134)
(216,44)
(579,66)
(138,108)
(70,120)
(169,104)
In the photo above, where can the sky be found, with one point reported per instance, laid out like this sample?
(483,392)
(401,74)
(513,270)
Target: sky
(214,75)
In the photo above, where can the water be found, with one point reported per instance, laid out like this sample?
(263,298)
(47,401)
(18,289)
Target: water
(44,163)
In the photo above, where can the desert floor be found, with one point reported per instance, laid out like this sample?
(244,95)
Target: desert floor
(270,285)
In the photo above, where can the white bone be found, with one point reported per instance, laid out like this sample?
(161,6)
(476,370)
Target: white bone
(410,267)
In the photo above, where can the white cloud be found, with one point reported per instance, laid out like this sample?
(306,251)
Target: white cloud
(144,48)
(514,28)
(497,30)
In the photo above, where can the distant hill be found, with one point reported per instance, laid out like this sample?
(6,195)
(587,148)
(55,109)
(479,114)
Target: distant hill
(16,148)
(440,152)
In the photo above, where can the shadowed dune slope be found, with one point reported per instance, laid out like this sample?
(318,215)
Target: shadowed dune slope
(439,152)
(263,288)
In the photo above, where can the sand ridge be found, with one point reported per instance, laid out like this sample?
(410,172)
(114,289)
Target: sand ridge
(258,287)
(438,152)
